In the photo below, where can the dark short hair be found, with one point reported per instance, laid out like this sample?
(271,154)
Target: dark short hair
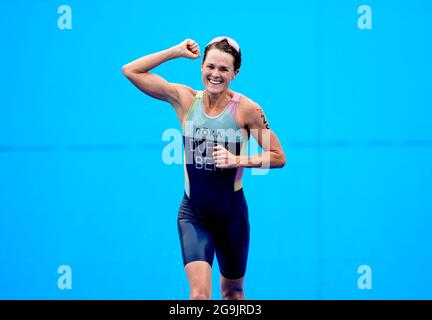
(224,46)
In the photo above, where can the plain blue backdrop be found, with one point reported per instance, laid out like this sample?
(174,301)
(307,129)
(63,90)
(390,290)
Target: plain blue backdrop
(83,184)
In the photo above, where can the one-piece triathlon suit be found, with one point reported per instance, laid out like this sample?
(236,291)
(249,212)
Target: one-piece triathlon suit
(213,216)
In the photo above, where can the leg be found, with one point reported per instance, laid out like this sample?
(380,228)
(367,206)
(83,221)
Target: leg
(232,289)
(197,251)
(232,248)
(200,277)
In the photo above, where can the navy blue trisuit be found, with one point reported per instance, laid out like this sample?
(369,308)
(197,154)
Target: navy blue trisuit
(213,215)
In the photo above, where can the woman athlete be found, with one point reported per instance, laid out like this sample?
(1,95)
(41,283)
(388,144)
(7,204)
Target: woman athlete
(216,123)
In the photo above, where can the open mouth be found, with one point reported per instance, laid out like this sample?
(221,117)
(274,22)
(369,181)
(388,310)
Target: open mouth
(215,82)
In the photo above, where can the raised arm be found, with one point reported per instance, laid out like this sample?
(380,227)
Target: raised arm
(153,85)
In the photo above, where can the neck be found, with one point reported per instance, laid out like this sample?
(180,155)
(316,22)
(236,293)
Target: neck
(217,100)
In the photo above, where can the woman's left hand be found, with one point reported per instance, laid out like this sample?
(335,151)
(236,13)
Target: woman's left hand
(223,158)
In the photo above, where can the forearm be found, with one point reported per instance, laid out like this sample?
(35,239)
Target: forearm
(266,159)
(146,63)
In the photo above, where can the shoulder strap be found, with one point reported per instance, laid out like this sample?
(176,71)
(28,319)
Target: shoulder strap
(236,97)
(199,94)
(233,104)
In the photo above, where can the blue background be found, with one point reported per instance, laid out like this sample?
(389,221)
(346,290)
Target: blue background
(82,181)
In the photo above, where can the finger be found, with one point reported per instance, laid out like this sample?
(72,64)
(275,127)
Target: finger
(221,147)
(221,165)
(218,157)
(192,55)
(186,42)
(219,152)
(217,147)
(222,160)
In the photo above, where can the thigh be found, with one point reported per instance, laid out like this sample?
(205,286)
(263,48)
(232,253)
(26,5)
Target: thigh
(196,240)
(232,243)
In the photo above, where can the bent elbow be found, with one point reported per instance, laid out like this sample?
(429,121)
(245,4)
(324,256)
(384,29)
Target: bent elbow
(126,71)
(282,161)
(278,160)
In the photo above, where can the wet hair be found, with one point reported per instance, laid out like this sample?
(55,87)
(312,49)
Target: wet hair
(224,46)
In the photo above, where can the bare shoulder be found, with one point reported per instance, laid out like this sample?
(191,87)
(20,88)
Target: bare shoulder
(247,106)
(248,110)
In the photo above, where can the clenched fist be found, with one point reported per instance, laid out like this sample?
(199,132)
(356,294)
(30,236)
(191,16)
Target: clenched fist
(189,49)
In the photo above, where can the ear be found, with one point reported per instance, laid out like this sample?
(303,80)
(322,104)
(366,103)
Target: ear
(235,74)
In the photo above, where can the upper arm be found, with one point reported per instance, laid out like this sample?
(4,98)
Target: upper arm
(259,127)
(153,85)
(178,95)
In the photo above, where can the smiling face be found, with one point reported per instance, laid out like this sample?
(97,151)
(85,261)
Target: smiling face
(217,71)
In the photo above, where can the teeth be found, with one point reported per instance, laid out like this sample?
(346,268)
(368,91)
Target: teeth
(215,82)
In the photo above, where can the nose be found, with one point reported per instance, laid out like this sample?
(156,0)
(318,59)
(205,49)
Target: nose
(215,73)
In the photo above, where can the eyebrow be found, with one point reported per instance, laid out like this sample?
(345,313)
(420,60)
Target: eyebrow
(222,66)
